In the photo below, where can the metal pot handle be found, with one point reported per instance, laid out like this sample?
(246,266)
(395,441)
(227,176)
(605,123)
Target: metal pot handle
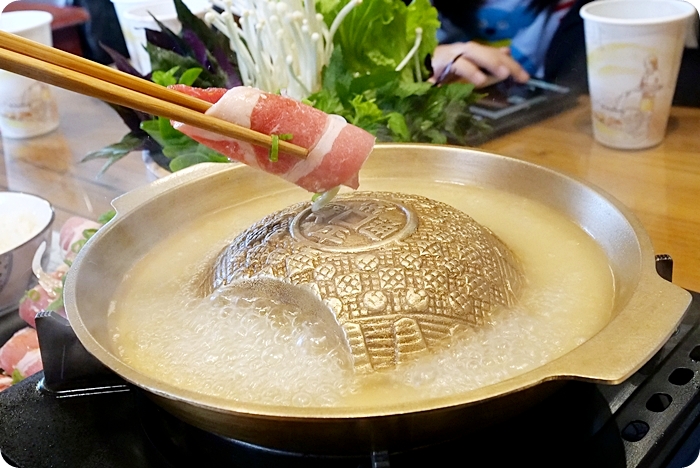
(630,339)
(133,199)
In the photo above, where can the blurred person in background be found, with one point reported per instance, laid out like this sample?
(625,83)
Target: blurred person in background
(482,41)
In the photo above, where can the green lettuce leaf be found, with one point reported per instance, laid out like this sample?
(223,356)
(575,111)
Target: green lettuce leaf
(421,14)
(378,34)
(398,110)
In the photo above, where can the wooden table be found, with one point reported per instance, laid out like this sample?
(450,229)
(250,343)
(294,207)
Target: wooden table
(50,165)
(660,185)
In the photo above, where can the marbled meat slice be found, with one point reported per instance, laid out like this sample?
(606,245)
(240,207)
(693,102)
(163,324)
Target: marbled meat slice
(12,352)
(30,363)
(337,149)
(5,382)
(31,304)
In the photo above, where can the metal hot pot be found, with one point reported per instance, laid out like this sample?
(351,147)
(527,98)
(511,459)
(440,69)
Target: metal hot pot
(646,308)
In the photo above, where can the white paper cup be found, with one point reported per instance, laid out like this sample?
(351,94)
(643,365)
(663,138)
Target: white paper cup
(634,49)
(27,107)
(135,17)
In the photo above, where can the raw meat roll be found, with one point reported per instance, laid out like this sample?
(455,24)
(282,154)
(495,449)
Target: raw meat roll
(337,149)
(72,231)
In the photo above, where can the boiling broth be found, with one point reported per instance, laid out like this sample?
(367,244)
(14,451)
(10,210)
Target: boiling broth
(255,350)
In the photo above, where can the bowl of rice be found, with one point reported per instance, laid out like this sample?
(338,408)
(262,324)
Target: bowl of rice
(25,222)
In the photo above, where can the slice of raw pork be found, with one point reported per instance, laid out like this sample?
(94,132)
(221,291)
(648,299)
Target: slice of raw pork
(337,149)
(22,344)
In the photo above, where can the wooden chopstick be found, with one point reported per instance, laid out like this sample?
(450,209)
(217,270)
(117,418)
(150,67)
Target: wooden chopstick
(73,62)
(52,66)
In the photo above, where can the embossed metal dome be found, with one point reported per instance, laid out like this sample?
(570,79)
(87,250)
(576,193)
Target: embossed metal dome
(399,273)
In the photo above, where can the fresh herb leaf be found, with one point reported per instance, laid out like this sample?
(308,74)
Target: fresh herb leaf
(190,21)
(396,124)
(132,118)
(228,65)
(199,50)
(165,78)
(169,77)
(163,59)
(223,59)
(122,63)
(190,76)
(366,114)
(200,155)
(182,150)
(166,39)
(113,153)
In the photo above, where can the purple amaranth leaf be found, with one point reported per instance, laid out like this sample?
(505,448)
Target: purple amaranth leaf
(165,40)
(233,76)
(151,145)
(216,43)
(162,40)
(131,118)
(199,49)
(122,63)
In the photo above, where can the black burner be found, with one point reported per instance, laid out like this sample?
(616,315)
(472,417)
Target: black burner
(650,420)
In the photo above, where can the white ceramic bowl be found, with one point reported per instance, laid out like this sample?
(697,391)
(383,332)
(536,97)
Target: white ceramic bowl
(25,222)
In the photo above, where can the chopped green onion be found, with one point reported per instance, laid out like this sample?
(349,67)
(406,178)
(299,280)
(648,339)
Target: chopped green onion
(286,136)
(105,217)
(88,233)
(17,376)
(33,295)
(77,245)
(57,303)
(275,148)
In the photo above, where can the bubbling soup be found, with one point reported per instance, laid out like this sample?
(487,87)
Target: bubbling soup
(253,349)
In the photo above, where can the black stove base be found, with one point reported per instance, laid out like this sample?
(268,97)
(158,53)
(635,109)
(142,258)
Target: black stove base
(125,429)
(649,421)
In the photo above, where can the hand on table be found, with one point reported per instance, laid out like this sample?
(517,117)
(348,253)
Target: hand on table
(475,63)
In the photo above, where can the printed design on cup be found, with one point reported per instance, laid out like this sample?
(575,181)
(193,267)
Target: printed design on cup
(630,112)
(631,86)
(27,107)
(33,105)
